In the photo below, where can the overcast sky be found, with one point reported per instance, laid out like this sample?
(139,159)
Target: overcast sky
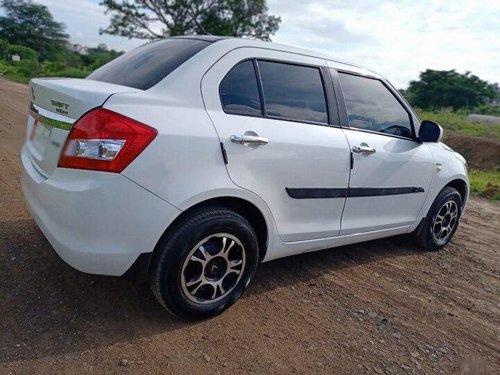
(398,39)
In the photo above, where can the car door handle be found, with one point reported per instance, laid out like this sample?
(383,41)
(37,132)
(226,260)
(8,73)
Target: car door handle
(249,139)
(363,149)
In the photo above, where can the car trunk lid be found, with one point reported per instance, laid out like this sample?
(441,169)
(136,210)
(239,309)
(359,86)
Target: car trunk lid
(56,105)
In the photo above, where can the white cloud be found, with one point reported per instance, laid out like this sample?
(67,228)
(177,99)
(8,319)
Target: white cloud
(395,38)
(398,39)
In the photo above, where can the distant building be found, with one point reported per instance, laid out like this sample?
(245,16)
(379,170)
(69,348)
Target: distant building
(102,47)
(78,48)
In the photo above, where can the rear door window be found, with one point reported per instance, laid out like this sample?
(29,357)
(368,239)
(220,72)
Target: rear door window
(293,92)
(144,67)
(239,91)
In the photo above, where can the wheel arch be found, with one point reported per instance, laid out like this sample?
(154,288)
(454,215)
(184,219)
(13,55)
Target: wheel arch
(239,205)
(141,268)
(461,186)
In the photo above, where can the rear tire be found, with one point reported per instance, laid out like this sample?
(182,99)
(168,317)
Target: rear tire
(205,264)
(437,229)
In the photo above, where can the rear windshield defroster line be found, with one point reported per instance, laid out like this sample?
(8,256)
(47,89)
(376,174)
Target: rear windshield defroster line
(144,67)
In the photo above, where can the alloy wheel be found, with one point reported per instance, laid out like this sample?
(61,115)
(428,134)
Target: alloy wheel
(445,221)
(213,268)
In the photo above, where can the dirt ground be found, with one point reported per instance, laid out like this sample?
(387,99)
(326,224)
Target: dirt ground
(381,307)
(481,153)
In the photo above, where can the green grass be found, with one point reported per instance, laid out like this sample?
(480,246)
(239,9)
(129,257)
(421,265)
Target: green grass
(12,73)
(455,122)
(25,70)
(487,183)
(16,78)
(68,73)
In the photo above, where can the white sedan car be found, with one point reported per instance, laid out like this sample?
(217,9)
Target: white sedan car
(190,160)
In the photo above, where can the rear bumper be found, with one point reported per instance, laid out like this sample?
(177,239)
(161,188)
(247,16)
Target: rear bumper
(97,222)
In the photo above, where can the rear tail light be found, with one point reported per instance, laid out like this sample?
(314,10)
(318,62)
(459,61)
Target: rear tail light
(103,140)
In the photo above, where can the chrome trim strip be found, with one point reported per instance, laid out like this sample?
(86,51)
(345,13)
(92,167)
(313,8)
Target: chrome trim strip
(37,113)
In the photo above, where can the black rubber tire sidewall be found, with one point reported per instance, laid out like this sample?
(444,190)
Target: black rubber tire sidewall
(167,267)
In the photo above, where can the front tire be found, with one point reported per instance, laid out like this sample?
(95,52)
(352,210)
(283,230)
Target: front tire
(438,227)
(205,264)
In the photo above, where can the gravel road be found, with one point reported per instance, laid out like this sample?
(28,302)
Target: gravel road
(382,307)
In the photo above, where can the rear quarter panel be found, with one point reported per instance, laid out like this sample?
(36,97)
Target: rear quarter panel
(184,163)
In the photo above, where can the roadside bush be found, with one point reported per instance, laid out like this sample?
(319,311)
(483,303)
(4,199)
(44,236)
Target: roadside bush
(67,72)
(54,66)
(20,71)
(26,68)
(24,52)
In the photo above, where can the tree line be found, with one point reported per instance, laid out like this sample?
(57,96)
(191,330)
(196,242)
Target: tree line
(29,30)
(437,89)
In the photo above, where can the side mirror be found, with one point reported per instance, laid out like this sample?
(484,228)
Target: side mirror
(430,131)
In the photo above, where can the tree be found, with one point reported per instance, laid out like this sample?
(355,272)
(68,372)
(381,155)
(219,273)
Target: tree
(155,19)
(33,26)
(447,88)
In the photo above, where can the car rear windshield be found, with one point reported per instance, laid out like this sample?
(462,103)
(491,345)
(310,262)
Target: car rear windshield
(145,66)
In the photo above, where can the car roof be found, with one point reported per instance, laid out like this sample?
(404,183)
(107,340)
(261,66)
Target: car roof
(206,38)
(232,42)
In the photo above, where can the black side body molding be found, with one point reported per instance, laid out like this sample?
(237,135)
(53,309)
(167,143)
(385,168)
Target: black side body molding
(372,192)
(316,193)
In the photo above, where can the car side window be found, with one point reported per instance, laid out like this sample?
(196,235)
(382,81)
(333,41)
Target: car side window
(371,106)
(239,91)
(293,92)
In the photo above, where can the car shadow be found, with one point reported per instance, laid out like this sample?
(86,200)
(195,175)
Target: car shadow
(48,308)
